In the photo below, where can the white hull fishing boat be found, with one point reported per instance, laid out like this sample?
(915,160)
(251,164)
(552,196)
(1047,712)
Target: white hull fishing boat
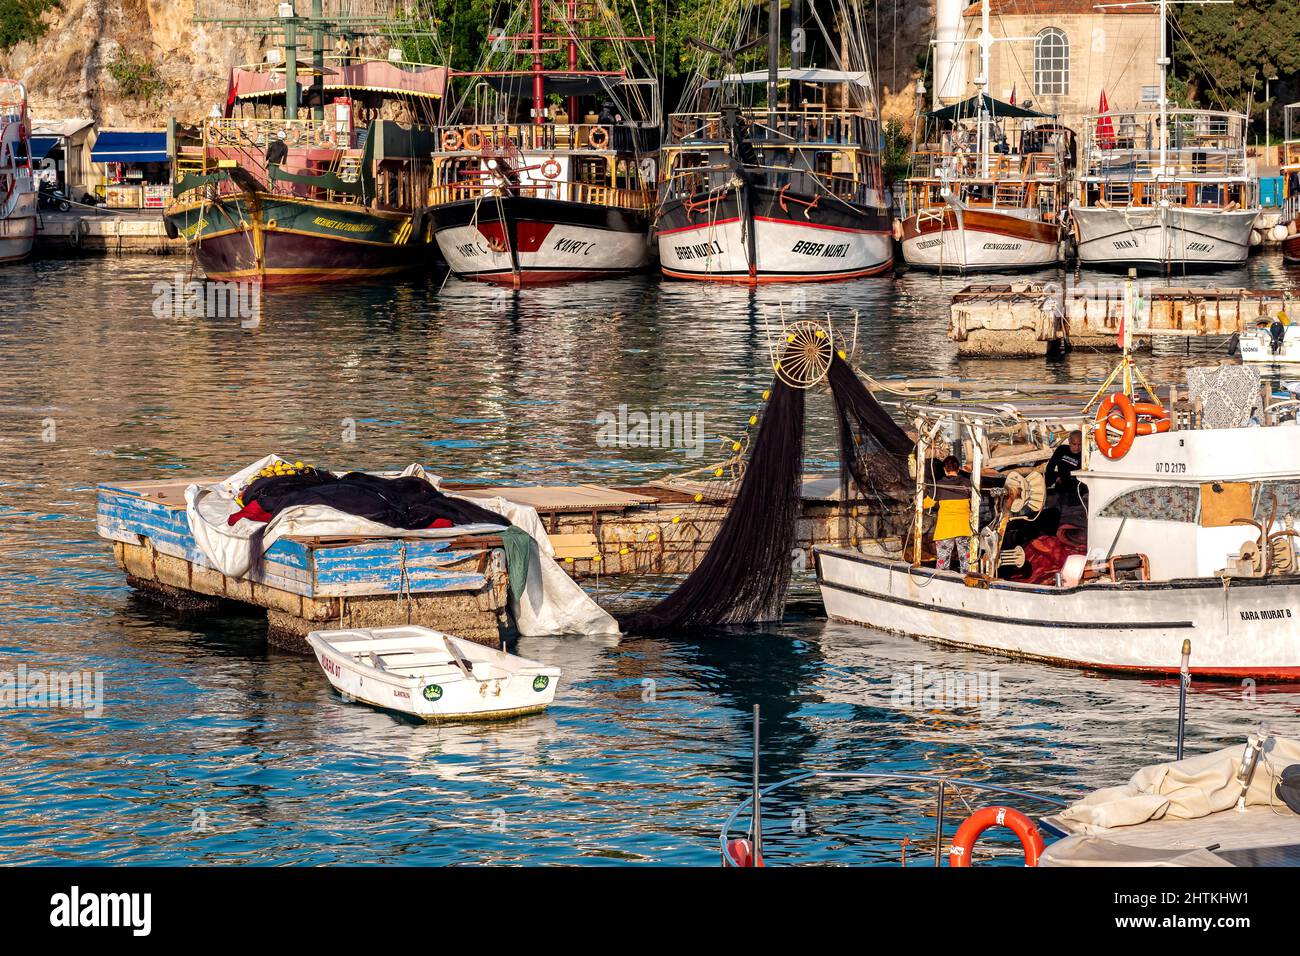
(1190,533)
(1258,345)
(1169,190)
(432,675)
(790,190)
(987,191)
(17,187)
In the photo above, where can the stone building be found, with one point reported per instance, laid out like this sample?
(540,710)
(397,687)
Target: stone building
(1057,56)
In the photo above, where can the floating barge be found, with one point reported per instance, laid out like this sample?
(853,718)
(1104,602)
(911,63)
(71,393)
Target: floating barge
(1040,319)
(457,585)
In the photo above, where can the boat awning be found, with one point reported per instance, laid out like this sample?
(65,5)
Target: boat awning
(40,146)
(127,146)
(809,75)
(971,109)
(560,84)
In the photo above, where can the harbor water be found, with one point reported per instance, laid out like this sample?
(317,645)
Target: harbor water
(212,748)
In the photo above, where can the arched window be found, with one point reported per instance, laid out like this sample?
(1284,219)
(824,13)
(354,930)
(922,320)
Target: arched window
(1051,63)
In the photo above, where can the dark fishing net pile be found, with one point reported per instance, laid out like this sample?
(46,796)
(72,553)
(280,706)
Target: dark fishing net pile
(744,575)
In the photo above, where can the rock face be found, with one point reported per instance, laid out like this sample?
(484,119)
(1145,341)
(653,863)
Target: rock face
(66,70)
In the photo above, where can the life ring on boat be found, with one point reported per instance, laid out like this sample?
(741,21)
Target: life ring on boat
(551,168)
(1125,422)
(987,817)
(473,139)
(897,230)
(451,140)
(741,852)
(1152,419)
(598,138)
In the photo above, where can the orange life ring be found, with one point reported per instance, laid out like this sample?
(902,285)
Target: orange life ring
(451,140)
(1126,423)
(598,138)
(551,168)
(473,139)
(986,817)
(1153,419)
(742,852)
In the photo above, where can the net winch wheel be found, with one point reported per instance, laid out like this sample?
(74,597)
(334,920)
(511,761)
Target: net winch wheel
(1031,491)
(802,355)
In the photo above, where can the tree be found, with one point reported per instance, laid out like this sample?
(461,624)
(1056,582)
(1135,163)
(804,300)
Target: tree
(1224,52)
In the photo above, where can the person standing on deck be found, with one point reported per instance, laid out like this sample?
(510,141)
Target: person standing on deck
(953,528)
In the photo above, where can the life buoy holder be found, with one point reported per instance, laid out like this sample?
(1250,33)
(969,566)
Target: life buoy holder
(451,140)
(599,137)
(1152,417)
(979,821)
(551,168)
(473,139)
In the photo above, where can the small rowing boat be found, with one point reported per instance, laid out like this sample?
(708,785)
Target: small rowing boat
(432,675)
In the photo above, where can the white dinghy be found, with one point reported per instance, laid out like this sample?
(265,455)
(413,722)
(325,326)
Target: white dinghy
(432,675)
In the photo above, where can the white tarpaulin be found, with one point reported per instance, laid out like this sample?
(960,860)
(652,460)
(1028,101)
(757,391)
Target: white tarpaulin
(1185,789)
(552,603)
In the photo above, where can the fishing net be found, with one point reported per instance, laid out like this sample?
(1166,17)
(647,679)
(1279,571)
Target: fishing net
(744,575)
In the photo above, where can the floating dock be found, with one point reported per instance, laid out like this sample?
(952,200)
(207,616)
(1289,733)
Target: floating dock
(458,585)
(1040,319)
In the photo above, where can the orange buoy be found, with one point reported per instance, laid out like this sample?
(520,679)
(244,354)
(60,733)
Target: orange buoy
(473,139)
(1127,425)
(987,817)
(742,852)
(598,138)
(451,140)
(1152,419)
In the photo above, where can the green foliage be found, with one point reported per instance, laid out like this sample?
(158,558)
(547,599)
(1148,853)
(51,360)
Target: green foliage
(1226,51)
(898,150)
(21,20)
(137,78)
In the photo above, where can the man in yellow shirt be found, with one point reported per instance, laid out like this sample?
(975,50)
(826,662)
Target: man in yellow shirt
(952,530)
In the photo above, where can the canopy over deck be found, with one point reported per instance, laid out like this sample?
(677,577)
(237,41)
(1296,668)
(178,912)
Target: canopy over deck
(368,76)
(982,103)
(805,75)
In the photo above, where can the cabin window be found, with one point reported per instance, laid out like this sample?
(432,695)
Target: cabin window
(1051,63)
(1155,503)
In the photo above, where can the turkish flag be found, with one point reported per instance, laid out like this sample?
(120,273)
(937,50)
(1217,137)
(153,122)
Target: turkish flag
(1105,127)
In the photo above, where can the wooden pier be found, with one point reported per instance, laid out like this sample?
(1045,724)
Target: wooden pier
(458,585)
(93,230)
(1039,319)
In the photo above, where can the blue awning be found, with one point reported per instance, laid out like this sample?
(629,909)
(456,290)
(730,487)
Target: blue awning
(40,146)
(122,146)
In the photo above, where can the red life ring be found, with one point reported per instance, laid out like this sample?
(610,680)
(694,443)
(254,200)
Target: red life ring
(1152,419)
(982,819)
(551,168)
(451,140)
(1126,422)
(598,138)
(742,852)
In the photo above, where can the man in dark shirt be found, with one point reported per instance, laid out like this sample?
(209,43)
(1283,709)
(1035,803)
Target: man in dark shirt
(1059,474)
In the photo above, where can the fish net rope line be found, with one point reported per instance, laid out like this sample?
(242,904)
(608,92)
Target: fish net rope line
(744,575)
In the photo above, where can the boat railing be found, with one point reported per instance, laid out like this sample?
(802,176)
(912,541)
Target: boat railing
(533,137)
(258,132)
(959,164)
(783,127)
(1115,163)
(944,788)
(613,197)
(691,180)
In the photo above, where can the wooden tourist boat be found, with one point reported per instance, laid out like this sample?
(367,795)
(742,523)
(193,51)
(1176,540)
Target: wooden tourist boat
(18,196)
(547,175)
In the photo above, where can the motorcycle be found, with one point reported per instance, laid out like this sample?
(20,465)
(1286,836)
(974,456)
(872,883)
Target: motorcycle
(51,197)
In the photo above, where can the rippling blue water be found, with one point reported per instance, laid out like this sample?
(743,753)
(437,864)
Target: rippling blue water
(212,748)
